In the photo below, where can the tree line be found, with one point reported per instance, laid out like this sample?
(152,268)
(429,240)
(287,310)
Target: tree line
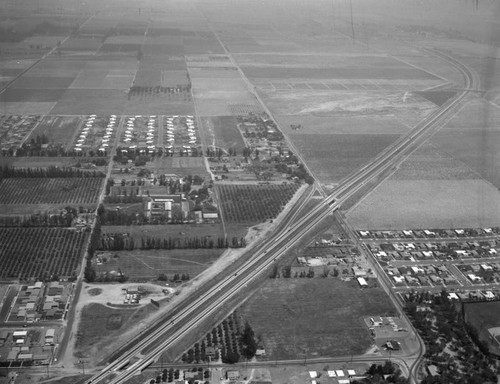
(120,242)
(49,172)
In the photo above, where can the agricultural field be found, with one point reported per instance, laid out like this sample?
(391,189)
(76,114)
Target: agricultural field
(472,137)
(81,43)
(322,315)
(424,203)
(248,203)
(70,191)
(333,157)
(139,265)
(40,252)
(484,317)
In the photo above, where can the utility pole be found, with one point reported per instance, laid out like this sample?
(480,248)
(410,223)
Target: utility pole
(83,365)
(352,23)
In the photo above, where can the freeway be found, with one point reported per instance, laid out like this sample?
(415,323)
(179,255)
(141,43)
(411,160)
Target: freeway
(144,350)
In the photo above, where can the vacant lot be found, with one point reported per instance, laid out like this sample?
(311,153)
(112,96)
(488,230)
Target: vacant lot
(100,327)
(346,103)
(397,204)
(58,129)
(356,124)
(225,129)
(141,265)
(324,316)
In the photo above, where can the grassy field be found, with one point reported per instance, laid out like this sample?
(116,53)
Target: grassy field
(483,316)
(226,132)
(325,316)
(182,166)
(333,157)
(397,204)
(140,265)
(100,327)
(165,231)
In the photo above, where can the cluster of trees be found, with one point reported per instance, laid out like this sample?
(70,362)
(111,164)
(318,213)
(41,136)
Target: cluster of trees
(191,243)
(441,325)
(49,172)
(176,277)
(121,241)
(62,219)
(263,127)
(232,340)
(383,374)
(136,90)
(123,199)
(168,376)
(254,203)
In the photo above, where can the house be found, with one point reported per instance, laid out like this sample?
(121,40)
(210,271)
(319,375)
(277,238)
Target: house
(50,333)
(399,279)
(432,370)
(472,277)
(452,296)
(376,321)
(233,375)
(210,216)
(260,352)
(488,295)
(362,282)
(358,272)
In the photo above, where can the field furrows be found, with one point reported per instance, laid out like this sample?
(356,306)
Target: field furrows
(39,252)
(254,203)
(50,191)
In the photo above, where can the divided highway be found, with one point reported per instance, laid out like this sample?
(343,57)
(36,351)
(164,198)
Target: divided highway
(148,346)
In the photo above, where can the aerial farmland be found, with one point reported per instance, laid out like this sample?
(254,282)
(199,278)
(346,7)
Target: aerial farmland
(275,183)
